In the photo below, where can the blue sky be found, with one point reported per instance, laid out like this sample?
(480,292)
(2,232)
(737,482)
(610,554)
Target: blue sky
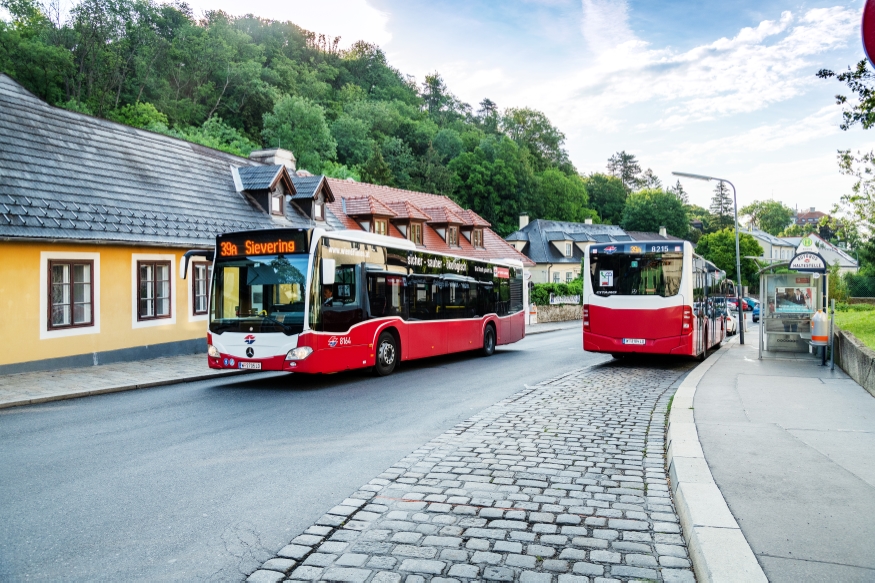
(721,88)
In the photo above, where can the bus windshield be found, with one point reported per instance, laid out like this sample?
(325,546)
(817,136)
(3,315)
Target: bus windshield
(643,274)
(262,293)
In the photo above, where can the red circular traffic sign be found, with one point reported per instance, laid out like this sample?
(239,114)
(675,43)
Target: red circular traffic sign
(869,29)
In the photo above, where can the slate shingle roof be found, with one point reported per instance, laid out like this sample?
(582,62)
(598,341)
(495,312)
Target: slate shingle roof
(65,175)
(540,234)
(308,186)
(645,236)
(259,177)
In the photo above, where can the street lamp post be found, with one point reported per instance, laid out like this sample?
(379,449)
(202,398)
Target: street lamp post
(737,252)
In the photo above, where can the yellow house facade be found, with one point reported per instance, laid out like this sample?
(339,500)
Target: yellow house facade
(95,222)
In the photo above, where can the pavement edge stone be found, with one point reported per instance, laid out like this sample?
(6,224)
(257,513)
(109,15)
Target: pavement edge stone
(717,546)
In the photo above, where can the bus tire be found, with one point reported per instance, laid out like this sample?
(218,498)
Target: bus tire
(387,354)
(488,341)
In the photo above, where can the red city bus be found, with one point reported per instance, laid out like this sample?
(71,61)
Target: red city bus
(654,297)
(315,301)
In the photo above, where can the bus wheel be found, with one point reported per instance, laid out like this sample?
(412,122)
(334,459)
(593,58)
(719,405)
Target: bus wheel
(387,354)
(488,341)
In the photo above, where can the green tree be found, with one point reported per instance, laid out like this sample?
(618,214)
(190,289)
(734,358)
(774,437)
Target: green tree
(607,196)
(138,115)
(722,207)
(649,180)
(769,215)
(678,191)
(625,167)
(448,144)
(375,170)
(299,125)
(719,248)
(648,210)
(354,144)
(531,129)
(860,81)
(561,197)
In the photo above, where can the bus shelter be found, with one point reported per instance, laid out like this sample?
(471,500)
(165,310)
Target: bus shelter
(789,300)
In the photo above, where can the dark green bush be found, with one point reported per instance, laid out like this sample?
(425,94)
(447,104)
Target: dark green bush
(540,295)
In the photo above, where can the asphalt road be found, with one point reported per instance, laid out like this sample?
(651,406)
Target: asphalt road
(206,480)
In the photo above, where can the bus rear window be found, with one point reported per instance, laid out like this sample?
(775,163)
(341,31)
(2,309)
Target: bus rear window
(646,274)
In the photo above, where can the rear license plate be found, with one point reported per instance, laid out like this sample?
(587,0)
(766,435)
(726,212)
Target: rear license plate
(633,340)
(254,365)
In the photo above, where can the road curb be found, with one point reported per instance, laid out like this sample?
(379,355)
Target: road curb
(119,389)
(528,333)
(716,544)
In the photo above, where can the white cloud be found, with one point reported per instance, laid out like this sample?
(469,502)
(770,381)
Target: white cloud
(760,66)
(605,24)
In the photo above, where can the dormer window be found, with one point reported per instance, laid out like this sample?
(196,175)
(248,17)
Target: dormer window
(416,233)
(568,249)
(381,226)
(477,237)
(276,203)
(317,210)
(453,236)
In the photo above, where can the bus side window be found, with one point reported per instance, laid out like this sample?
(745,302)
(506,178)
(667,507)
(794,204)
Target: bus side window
(485,298)
(341,306)
(419,298)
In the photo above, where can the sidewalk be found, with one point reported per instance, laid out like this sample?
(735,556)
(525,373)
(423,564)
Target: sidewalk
(791,447)
(553,327)
(67,383)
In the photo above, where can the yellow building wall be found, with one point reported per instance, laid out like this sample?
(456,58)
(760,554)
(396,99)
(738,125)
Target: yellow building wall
(20,292)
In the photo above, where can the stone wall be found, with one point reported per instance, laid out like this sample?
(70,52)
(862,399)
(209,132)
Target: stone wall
(861,300)
(560,313)
(855,358)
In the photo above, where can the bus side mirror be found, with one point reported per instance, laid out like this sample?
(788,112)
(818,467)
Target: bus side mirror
(328,267)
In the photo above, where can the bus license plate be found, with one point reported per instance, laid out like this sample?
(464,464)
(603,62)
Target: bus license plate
(633,340)
(253,365)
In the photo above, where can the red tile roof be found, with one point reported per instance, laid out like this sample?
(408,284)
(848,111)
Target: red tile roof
(472,218)
(494,247)
(366,205)
(443,215)
(407,210)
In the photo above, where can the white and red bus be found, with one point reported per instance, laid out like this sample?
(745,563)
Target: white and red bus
(654,297)
(315,301)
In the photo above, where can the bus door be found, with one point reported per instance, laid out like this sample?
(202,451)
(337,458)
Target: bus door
(427,333)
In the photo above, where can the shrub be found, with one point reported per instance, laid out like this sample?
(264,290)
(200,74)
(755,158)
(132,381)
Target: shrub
(540,295)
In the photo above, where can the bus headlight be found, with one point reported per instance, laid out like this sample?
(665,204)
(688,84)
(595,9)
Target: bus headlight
(212,351)
(299,353)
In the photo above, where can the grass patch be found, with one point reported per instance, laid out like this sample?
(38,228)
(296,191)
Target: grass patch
(859,323)
(669,403)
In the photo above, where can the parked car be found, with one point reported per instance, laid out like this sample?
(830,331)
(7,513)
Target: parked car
(731,324)
(753,302)
(733,304)
(756,313)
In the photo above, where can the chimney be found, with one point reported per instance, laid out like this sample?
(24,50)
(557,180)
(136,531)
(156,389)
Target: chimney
(812,209)
(524,221)
(587,221)
(662,232)
(274,157)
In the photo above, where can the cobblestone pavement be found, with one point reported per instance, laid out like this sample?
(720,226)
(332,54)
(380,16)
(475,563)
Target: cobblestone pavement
(564,481)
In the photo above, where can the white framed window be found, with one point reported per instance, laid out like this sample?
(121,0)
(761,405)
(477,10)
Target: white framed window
(568,249)
(69,294)
(276,203)
(317,210)
(556,277)
(153,289)
(569,276)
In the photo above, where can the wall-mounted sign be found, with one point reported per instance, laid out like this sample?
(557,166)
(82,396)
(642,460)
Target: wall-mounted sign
(808,262)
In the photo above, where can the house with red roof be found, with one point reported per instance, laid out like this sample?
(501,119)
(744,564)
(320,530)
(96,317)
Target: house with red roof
(433,222)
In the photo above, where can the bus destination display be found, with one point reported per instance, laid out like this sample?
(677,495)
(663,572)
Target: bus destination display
(248,244)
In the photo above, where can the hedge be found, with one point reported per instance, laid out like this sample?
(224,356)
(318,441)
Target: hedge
(540,295)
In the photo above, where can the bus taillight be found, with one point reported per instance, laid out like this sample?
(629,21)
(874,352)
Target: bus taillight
(586,317)
(688,318)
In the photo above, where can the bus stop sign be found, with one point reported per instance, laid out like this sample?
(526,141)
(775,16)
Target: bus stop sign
(868,29)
